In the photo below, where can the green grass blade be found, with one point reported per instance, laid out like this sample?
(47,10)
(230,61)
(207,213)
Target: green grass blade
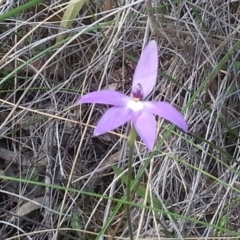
(19,9)
(71,12)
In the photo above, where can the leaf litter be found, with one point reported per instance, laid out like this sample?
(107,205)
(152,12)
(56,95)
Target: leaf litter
(43,137)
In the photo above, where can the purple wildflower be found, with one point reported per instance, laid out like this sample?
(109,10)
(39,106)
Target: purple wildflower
(134,109)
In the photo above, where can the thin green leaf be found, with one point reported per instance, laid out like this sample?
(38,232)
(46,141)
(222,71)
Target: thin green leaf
(19,9)
(71,12)
(139,190)
(75,221)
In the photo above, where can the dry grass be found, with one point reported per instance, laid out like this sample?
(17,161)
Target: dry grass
(47,139)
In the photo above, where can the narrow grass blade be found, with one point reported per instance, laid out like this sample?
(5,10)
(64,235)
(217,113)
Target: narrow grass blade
(71,12)
(139,190)
(19,9)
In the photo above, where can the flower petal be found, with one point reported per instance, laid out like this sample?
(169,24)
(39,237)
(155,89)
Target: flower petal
(105,97)
(146,71)
(146,127)
(168,112)
(111,119)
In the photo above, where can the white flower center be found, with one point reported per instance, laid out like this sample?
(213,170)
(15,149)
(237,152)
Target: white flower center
(135,105)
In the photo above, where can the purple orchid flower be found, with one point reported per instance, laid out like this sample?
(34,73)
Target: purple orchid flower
(134,109)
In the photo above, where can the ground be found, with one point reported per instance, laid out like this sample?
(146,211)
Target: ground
(58,181)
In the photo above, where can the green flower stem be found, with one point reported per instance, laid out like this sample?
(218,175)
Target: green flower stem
(132,139)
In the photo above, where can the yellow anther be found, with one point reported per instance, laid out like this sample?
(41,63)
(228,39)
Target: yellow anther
(136,99)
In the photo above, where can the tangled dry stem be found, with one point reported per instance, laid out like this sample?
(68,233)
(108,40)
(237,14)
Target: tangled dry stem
(46,138)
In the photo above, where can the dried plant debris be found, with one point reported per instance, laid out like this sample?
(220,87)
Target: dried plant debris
(47,147)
